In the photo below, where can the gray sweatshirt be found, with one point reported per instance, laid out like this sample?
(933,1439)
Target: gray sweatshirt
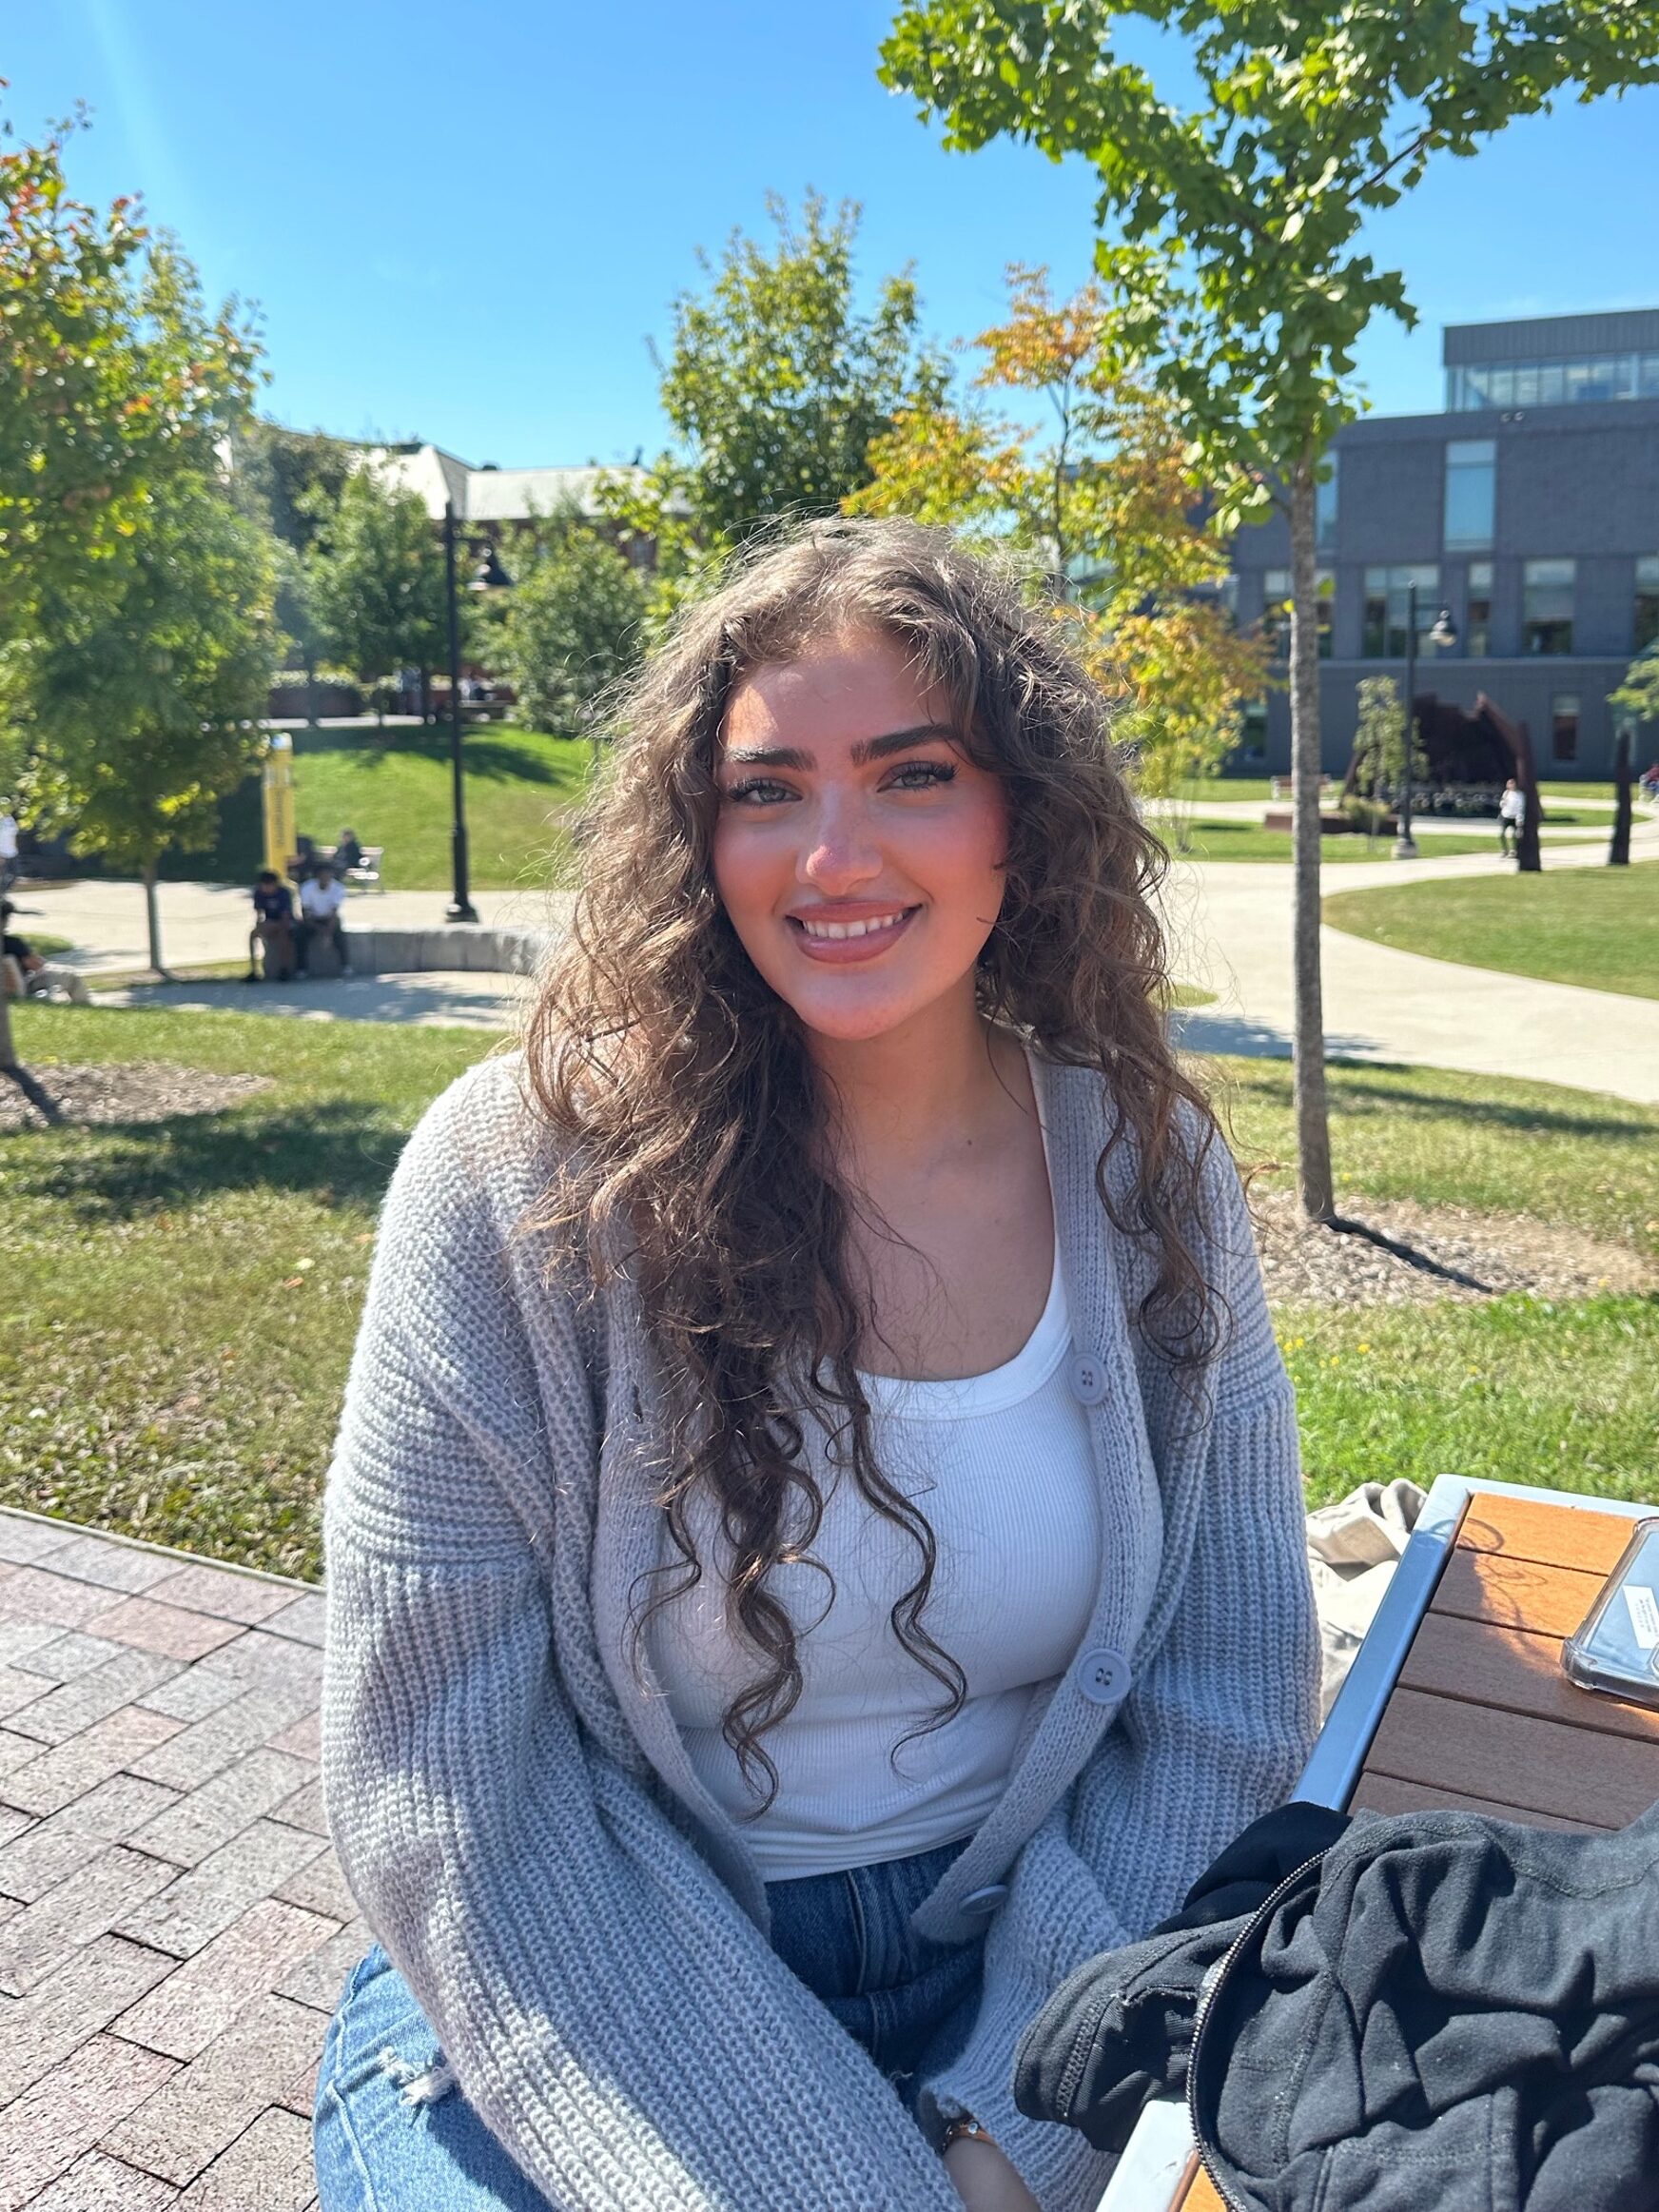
(512,1805)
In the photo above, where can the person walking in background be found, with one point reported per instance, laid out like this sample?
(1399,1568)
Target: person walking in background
(320,898)
(7,848)
(273,926)
(1512,817)
(769,1647)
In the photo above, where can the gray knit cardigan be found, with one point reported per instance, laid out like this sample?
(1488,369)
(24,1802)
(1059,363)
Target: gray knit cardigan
(517,1816)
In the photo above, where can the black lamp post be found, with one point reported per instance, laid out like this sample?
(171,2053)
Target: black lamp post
(1443,632)
(488,576)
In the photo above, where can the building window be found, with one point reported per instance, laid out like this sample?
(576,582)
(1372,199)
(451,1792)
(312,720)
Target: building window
(1477,617)
(1386,608)
(1547,606)
(1646,601)
(1553,383)
(1253,730)
(1564,726)
(1275,609)
(1471,493)
(1325,492)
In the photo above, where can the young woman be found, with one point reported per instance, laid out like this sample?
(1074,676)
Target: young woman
(815,1549)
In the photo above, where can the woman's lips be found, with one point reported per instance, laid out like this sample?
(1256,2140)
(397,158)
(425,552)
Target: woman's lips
(844,941)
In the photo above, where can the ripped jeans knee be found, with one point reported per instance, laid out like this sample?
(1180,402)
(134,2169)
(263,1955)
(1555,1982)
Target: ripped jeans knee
(418,2085)
(392,2131)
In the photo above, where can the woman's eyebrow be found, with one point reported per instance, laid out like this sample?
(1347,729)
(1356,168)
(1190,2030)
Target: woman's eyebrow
(866,750)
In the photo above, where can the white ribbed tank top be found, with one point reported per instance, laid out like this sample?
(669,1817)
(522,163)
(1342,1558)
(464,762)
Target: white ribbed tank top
(1002,1467)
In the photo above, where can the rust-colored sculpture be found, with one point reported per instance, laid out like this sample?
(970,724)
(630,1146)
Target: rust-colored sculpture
(1478,746)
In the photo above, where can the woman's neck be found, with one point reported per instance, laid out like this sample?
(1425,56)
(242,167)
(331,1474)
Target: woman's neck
(915,1095)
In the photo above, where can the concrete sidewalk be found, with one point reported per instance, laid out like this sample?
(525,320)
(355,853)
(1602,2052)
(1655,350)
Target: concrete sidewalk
(1230,924)
(206,922)
(1232,934)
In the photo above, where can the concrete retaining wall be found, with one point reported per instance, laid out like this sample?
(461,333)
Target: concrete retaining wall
(415,951)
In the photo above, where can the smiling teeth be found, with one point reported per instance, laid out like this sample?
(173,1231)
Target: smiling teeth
(848,929)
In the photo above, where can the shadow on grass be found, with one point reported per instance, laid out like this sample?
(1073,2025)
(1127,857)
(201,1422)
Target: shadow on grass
(339,1150)
(1357,1092)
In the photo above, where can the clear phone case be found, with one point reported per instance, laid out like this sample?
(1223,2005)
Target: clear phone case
(1616,1649)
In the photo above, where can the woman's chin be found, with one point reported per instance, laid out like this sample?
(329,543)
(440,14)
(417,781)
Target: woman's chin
(844,1017)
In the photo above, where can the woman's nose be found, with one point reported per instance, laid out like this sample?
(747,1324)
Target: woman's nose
(840,854)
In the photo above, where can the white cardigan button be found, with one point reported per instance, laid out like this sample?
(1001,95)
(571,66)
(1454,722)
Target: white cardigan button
(981,1904)
(1103,1676)
(1089,1379)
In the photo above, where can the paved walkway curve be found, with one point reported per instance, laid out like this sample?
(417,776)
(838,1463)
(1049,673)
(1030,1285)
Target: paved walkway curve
(1232,931)
(1230,922)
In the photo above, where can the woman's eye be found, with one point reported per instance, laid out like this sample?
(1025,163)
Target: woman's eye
(920,776)
(757,790)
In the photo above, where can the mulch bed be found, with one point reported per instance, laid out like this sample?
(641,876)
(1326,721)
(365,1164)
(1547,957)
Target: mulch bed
(129,1092)
(1500,1253)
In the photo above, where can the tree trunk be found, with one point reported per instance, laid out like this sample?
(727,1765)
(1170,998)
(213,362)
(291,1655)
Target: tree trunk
(310,689)
(152,914)
(1529,857)
(1313,1127)
(426,694)
(1619,851)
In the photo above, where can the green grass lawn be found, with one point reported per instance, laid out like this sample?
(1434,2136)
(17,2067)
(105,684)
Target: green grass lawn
(182,1297)
(1249,841)
(1516,1389)
(394,790)
(1581,924)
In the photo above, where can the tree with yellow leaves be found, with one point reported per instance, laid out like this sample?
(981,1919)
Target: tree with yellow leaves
(1109,506)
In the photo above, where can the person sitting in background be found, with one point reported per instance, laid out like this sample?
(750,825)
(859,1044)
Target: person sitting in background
(304,860)
(25,974)
(273,925)
(347,853)
(320,898)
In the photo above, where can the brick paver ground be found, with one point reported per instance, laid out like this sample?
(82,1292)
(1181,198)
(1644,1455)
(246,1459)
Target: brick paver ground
(174,1930)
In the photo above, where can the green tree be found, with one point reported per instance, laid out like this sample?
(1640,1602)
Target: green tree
(142,695)
(571,623)
(1379,740)
(1638,695)
(1238,278)
(375,580)
(291,480)
(114,381)
(776,383)
(1112,509)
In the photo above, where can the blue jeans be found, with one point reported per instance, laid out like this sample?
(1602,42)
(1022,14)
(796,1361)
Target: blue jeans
(392,2133)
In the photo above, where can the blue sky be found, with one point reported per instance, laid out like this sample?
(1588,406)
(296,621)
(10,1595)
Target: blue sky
(465,223)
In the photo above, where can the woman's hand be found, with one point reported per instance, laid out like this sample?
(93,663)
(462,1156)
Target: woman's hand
(985,2179)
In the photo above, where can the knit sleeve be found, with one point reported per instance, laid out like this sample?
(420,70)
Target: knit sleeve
(607,2009)
(1215,1733)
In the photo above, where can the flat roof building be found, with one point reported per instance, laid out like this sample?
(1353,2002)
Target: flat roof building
(1530,509)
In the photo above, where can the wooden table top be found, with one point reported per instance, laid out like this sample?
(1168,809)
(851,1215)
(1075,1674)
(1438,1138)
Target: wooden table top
(1482,1718)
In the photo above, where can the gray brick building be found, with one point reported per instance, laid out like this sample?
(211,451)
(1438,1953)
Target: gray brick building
(1529,508)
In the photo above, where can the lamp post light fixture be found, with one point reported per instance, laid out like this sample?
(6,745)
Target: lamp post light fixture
(1443,632)
(488,576)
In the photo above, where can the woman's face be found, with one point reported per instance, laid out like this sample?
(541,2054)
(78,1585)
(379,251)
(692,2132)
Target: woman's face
(858,852)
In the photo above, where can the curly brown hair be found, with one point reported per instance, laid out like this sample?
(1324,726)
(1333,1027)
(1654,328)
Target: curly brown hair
(684,1098)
